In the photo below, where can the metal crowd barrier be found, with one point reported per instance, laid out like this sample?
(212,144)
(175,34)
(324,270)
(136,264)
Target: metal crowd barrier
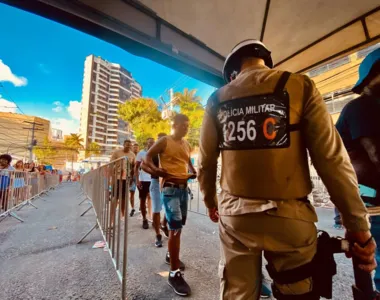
(196,203)
(18,188)
(108,194)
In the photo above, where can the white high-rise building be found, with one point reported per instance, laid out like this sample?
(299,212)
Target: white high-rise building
(105,86)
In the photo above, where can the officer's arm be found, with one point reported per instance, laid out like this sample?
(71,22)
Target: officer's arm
(208,158)
(331,160)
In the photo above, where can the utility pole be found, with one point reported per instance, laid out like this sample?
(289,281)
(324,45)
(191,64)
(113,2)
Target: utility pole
(33,142)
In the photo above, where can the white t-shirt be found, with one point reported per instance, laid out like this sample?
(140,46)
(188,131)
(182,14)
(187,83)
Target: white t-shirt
(143,176)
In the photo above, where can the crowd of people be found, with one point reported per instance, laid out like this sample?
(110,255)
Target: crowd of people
(13,179)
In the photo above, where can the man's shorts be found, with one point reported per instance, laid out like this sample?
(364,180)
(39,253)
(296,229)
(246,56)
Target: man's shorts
(123,183)
(154,190)
(132,188)
(175,201)
(144,191)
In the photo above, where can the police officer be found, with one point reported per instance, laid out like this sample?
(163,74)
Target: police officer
(263,122)
(359,127)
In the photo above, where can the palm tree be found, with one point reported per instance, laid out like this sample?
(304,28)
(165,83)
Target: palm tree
(190,105)
(74,142)
(187,96)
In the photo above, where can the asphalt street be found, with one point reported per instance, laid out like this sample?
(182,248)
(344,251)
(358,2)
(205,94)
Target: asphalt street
(39,259)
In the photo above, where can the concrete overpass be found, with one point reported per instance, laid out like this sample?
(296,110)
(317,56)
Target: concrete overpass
(193,37)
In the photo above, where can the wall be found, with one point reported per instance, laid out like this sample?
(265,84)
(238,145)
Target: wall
(15,137)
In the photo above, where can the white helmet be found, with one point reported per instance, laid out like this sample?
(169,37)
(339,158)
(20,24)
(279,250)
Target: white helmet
(245,48)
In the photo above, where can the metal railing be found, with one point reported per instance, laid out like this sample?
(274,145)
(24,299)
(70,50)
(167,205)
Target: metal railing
(107,191)
(196,203)
(19,188)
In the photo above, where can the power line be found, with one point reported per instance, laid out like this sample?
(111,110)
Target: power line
(10,98)
(12,131)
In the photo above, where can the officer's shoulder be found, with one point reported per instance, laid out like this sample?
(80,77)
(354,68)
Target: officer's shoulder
(302,78)
(213,99)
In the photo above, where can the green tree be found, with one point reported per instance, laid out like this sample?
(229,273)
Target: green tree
(144,117)
(45,152)
(92,149)
(74,142)
(189,104)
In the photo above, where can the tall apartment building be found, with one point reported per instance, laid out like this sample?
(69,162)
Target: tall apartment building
(105,86)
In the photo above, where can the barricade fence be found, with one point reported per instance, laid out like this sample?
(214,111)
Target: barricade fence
(18,188)
(107,189)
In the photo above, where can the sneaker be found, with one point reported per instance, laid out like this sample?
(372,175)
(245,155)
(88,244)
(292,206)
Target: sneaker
(132,212)
(145,224)
(265,292)
(178,284)
(165,230)
(181,264)
(158,242)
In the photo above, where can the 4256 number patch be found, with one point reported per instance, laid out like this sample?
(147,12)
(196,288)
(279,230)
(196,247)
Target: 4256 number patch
(255,122)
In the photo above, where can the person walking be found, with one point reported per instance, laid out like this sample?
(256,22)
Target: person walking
(122,176)
(174,156)
(359,127)
(154,191)
(143,181)
(132,188)
(263,122)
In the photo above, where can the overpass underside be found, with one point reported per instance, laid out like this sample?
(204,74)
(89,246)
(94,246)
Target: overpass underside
(193,37)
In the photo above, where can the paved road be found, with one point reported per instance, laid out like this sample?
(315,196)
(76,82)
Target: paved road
(39,259)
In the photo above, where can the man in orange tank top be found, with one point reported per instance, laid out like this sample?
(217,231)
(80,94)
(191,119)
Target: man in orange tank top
(175,164)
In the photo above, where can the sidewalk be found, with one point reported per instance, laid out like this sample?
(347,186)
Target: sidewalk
(39,259)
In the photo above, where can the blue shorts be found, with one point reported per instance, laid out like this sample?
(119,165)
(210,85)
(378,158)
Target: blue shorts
(175,205)
(154,191)
(132,188)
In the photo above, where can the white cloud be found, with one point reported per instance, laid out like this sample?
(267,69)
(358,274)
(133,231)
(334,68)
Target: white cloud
(66,125)
(7,106)
(58,106)
(74,109)
(7,75)
(57,109)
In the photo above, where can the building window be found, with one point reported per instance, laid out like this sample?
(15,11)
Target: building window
(339,62)
(123,95)
(333,65)
(366,51)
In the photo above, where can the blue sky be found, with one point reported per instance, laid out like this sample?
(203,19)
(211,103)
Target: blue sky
(41,68)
